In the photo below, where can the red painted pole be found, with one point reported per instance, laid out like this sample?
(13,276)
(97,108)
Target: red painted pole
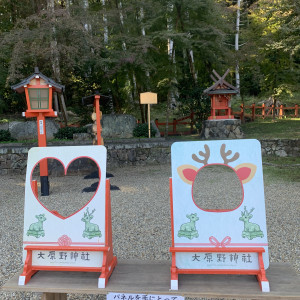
(253,111)
(281,111)
(98,117)
(42,142)
(242,113)
(174,125)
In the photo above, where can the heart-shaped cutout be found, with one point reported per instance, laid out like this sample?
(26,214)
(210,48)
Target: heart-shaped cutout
(66,185)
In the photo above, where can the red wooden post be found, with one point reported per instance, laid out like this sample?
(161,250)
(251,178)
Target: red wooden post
(98,117)
(229,112)
(156,122)
(273,110)
(296,110)
(242,113)
(212,110)
(174,125)
(280,111)
(42,142)
(253,111)
(263,110)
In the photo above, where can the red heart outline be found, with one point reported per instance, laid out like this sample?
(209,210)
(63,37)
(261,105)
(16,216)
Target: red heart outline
(65,171)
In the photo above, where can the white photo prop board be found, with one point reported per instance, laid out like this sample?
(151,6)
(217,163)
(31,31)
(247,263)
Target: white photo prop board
(77,242)
(214,232)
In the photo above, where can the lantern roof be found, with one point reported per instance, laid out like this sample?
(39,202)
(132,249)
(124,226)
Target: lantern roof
(89,100)
(19,87)
(220,86)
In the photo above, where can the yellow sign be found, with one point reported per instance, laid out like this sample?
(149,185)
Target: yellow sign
(148,98)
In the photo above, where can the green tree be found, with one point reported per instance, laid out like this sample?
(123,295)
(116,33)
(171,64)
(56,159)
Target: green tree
(271,56)
(118,47)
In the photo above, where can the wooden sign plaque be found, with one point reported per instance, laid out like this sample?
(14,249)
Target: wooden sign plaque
(148,98)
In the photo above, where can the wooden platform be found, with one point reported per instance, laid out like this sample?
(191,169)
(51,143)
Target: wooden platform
(147,277)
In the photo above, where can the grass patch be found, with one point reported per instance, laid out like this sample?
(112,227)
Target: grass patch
(20,141)
(283,169)
(269,129)
(288,161)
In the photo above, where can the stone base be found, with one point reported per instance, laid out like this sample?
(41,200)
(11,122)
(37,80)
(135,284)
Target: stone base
(222,129)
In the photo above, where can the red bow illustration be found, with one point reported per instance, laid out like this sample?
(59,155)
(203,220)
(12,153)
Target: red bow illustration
(225,242)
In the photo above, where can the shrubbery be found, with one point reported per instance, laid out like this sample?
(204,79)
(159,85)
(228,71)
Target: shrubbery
(141,130)
(5,136)
(66,133)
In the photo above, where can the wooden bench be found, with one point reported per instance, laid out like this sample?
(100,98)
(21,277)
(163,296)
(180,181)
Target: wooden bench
(153,277)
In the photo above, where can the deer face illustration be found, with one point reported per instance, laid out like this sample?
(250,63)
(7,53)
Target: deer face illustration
(245,171)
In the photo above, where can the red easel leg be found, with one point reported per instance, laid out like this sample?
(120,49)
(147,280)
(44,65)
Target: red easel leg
(174,273)
(27,271)
(261,277)
(107,269)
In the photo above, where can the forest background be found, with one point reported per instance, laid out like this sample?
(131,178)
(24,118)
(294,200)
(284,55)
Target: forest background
(125,47)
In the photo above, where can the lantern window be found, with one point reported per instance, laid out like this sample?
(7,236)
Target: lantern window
(39,98)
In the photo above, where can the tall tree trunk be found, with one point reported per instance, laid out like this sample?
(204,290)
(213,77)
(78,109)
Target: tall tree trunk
(189,52)
(171,53)
(237,35)
(141,14)
(190,56)
(55,58)
(53,43)
(105,35)
(87,25)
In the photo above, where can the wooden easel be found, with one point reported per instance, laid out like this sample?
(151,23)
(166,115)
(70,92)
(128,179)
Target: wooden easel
(204,244)
(96,249)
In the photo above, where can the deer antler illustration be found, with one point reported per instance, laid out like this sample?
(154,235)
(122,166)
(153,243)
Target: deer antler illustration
(224,155)
(248,213)
(244,171)
(205,155)
(88,213)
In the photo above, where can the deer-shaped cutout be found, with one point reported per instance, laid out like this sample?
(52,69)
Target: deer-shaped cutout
(245,171)
(251,230)
(189,230)
(36,229)
(91,230)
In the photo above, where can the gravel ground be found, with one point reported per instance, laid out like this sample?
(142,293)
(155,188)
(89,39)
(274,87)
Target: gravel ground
(141,219)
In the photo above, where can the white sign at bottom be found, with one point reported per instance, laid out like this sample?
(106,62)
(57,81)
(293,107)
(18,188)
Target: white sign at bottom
(123,296)
(214,260)
(67,258)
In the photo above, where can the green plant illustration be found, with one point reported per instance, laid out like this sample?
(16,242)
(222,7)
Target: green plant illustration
(251,230)
(188,230)
(91,230)
(36,229)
